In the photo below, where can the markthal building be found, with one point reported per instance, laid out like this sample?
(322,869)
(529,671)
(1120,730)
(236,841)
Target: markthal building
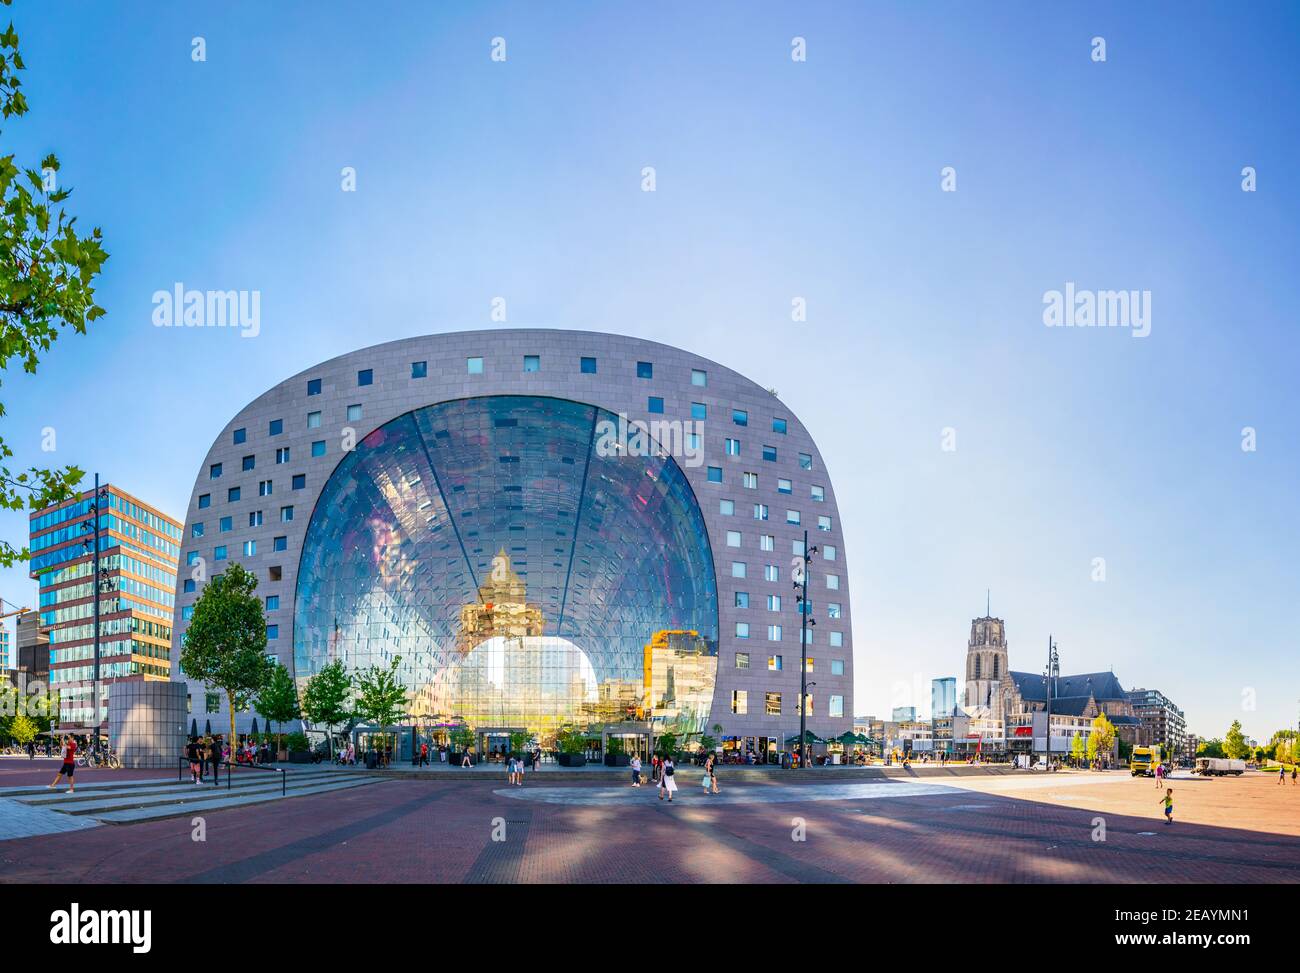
(552,532)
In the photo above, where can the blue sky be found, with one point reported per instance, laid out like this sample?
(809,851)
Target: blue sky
(775,180)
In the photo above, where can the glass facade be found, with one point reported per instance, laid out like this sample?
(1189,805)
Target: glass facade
(529,577)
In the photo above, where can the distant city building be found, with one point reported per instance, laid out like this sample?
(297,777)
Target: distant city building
(943,697)
(4,648)
(138,551)
(904,714)
(33,647)
(1163,722)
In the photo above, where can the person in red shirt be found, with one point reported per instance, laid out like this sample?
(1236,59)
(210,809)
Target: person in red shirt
(69,763)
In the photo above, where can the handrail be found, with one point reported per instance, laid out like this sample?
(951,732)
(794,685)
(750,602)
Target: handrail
(183,760)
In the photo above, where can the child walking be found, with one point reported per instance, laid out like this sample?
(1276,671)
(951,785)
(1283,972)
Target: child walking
(1168,802)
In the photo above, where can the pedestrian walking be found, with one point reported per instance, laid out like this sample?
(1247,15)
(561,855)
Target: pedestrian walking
(214,758)
(667,785)
(1168,802)
(464,760)
(537,759)
(1293,776)
(636,771)
(711,773)
(1160,773)
(69,763)
(1281,775)
(510,770)
(192,751)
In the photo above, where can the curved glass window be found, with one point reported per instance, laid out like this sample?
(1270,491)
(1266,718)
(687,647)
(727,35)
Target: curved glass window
(534,564)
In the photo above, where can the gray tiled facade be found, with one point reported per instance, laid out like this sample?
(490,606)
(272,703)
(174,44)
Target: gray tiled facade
(615,387)
(147,722)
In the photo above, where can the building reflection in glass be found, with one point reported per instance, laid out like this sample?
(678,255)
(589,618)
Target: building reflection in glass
(527,581)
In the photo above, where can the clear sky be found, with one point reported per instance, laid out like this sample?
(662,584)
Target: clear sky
(776,179)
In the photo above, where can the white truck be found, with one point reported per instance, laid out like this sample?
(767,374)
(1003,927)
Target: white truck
(1219,766)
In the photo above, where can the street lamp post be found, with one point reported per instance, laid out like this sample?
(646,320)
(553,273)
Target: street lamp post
(1049,678)
(97,587)
(801,585)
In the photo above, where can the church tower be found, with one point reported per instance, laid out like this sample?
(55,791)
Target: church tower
(986,663)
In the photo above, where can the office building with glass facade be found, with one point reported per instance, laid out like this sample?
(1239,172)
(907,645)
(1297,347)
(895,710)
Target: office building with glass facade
(552,531)
(138,550)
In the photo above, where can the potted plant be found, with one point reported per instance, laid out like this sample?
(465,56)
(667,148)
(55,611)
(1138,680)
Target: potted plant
(616,754)
(299,748)
(462,738)
(572,747)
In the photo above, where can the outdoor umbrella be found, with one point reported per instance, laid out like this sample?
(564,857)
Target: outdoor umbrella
(810,738)
(207,728)
(848,738)
(254,726)
(194,728)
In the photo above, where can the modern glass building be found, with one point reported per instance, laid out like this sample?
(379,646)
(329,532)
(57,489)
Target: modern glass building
(138,550)
(550,530)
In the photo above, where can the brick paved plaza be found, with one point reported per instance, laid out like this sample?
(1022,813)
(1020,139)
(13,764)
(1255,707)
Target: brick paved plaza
(1006,828)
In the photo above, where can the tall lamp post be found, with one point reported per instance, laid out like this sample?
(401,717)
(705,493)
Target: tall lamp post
(801,585)
(1050,674)
(97,587)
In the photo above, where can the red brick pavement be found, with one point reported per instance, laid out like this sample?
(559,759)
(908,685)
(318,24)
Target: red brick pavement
(433,831)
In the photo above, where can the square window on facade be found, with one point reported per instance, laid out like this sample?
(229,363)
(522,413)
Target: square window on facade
(774,663)
(769,453)
(272,632)
(760,511)
(354,413)
(264,488)
(313,420)
(792,517)
(733,538)
(774,603)
(742,599)
(248,463)
(766,542)
(419,369)
(829,552)
(205,500)
(836,706)
(836,640)
(272,603)
(837,666)
(279,543)
(832,609)
(818,494)
(226,524)
(740,417)
(742,660)
(219,553)
(255,518)
(699,411)
(727,507)
(196,530)
(733,447)
(737,569)
(823,523)
(532,363)
(739,702)
(286,514)
(275,427)
(250,548)
(699,377)
(645,369)
(805,461)
(189,586)
(299,481)
(275,573)
(771,572)
(784,486)
(366,377)
(742,630)
(774,633)
(833,582)
(214,471)
(313,386)
(587,366)
(474,366)
(240,435)
(751,481)
(654,404)
(778,425)
(715,474)
(282,455)
(232,495)
(772,704)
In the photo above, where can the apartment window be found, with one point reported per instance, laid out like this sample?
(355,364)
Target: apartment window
(318,448)
(805,461)
(819,494)
(792,517)
(214,471)
(226,524)
(837,667)
(282,455)
(313,386)
(774,633)
(693,441)
(769,453)
(766,542)
(654,404)
(474,366)
(192,558)
(232,494)
(219,553)
(187,613)
(740,417)
(250,548)
(774,663)
(737,569)
(727,508)
(760,511)
(645,369)
(699,377)
(272,603)
(205,501)
(419,369)
(189,586)
(715,474)
(832,609)
(286,514)
(778,425)
(272,632)
(836,706)
(366,377)
(733,538)
(255,518)
(806,637)
(196,529)
(836,640)
(264,488)
(699,410)
(279,543)
(774,603)
(784,486)
(742,630)
(313,420)
(796,547)
(532,363)
(772,704)
(771,572)
(354,413)
(823,523)
(739,702)
(587,366)
(239,436)
(829,552)
(275,573)
(742,599)
(833,582)
(750,481)
(733,447)
(276,427)
(742,660)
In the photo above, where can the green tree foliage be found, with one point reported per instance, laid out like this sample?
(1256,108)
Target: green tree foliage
(1103,735)
(225,645)
(325,698)
(46,274)
(23,729)
(1234,742)
(1210,748)
(278,700)
(381,697)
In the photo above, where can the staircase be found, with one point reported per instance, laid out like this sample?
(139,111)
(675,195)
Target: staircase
(132,801)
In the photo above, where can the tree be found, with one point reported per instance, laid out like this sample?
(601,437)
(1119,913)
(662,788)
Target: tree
(381,697)
(23,729)
(667,743)
(46,273)
(1234,743)
(1077,748)
(225,645)
(1103,735)
(278,700)
(1210,748)
(325,699)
